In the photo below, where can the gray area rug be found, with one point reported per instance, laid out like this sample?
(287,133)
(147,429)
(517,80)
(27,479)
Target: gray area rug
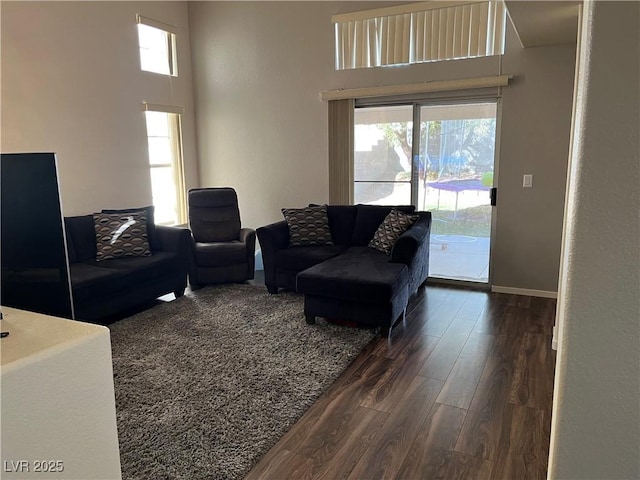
(207,383)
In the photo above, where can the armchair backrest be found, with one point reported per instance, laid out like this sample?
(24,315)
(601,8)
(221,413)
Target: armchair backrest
(213,214)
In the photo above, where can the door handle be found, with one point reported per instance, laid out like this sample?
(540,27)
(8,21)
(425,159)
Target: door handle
(494,196)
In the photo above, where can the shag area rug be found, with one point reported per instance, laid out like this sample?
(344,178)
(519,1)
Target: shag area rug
(207,383)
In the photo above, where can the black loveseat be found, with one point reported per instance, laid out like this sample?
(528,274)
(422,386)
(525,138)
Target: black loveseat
(349,280)
(107,287)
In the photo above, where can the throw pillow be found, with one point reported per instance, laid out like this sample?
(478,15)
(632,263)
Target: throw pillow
(121,235)
(308,226)
(394,225)
(152,236)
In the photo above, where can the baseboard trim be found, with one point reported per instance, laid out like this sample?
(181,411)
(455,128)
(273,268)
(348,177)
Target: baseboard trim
(524,291)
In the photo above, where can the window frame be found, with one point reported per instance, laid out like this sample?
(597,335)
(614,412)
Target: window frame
(172,44)
(174,118)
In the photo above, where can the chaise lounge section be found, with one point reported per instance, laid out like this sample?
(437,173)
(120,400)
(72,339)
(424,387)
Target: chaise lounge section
(347,279)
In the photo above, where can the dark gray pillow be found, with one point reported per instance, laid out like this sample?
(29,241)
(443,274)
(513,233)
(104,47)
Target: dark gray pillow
(308,226)
(149,211)
(394,225)
(121,235)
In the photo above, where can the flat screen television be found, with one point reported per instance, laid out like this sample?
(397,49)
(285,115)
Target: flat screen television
(33,261)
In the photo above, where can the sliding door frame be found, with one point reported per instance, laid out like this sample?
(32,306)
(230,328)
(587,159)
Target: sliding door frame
(415,152)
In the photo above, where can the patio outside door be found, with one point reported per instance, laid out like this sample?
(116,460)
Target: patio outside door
(451,175)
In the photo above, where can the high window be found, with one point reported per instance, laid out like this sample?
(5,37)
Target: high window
(166,169)
(419,32)
(157,42)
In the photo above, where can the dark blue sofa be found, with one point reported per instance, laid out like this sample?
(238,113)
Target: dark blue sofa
(349,280)
(105,288)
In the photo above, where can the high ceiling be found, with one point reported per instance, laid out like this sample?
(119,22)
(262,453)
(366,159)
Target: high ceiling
(544,22)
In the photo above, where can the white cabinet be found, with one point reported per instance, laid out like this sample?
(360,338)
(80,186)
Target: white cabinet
(57,399)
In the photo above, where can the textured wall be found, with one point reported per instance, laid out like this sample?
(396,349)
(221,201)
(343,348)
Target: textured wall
(596,424)
(534,139)
(72,84)
(258,70)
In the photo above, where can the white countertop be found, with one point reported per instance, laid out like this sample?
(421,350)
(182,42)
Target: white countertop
(37,334)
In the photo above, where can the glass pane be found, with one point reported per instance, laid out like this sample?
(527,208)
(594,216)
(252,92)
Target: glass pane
(157,124)
(382,193)
(164,195)
(160,151)
(455,171)
(154,51)
(383,139)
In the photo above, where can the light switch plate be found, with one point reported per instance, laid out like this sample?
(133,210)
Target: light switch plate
(527,180)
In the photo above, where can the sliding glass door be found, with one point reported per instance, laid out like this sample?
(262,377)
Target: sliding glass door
(383,140)
(445,165)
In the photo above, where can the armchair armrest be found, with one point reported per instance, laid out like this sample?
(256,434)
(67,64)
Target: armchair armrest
(248,237)
(272,238)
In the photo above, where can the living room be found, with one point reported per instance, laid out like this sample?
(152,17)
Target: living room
(250,74)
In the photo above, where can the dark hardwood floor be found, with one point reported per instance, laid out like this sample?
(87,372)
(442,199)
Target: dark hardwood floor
(462,389)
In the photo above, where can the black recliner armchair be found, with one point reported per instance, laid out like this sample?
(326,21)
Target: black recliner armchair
(223,251)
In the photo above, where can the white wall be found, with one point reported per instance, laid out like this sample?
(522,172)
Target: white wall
(258,70)
(72,84)
(534,139)
(596,421)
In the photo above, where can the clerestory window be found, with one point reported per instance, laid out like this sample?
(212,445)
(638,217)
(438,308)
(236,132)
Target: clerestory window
(419,32)
(157,43)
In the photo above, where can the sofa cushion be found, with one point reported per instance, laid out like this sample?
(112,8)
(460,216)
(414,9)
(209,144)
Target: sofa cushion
(220,254)
(149,211)
(394,225)
(359,274)
(298,258)
(342,219)
(214,215)
(121,235)
(308,226)
(369,218)
(93,279)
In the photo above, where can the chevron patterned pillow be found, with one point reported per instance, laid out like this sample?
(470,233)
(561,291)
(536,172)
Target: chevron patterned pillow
(308,226)
(394,225)
(121,235)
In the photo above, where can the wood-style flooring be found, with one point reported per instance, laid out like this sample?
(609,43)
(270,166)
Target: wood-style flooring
(462,389)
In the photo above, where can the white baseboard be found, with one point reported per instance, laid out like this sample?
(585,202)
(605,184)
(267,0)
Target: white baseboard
(524,291)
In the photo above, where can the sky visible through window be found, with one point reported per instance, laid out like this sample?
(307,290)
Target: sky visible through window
(155,47)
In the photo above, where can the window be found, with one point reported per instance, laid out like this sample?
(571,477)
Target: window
(157,47)
(419,32)
(165,163)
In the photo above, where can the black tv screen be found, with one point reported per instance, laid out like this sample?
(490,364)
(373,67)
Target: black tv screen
(33,261)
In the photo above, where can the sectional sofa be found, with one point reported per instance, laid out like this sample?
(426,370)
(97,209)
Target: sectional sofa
(345,277)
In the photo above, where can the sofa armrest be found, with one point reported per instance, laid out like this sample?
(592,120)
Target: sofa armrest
(412,249)
(272,238)
(177,240)
(174,239)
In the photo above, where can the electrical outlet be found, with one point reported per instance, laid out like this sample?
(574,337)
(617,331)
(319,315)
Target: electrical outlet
(527,180)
